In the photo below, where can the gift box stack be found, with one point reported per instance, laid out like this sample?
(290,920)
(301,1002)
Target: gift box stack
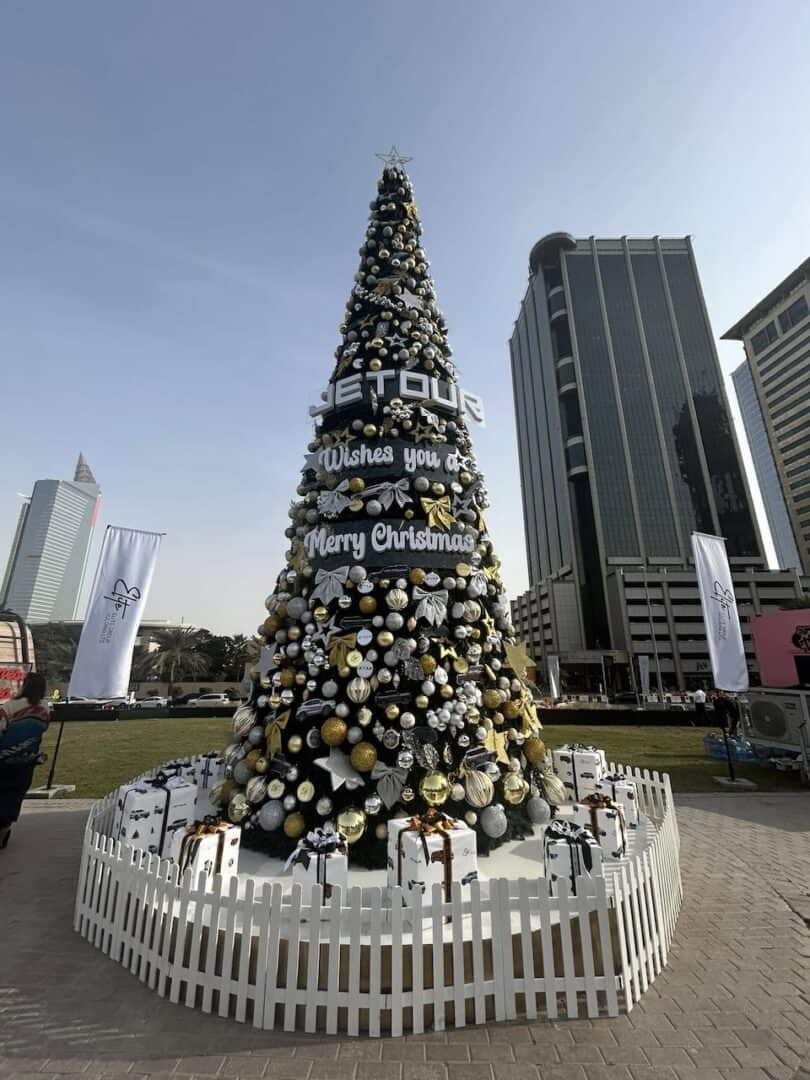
(430,848)
(211,848)
(149,812)
(321,858)
(209,770)
(580,768)
(570,852)
(622,790)
(605,821)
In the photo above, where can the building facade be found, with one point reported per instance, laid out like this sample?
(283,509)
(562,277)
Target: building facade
(776,337)
(770,486)
(626,447)
(46,565)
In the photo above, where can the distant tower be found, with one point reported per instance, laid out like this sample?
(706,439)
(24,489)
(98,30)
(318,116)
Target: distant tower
(46,565)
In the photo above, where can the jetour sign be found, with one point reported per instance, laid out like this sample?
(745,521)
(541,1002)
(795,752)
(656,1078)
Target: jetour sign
(408,385)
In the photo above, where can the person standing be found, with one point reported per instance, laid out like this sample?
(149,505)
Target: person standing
(699,699)
(720,706)
(733,708)
(24,720)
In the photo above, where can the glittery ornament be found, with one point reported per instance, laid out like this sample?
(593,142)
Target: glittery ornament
(351,822)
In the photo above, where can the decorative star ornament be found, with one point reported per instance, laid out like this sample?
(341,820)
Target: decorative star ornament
(393,159)
(340,770)
(496,742)
(518,658)
(342,437)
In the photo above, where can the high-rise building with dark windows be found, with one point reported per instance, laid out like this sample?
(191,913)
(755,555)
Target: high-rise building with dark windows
(626,446)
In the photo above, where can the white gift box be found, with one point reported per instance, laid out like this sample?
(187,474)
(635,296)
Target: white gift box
(209,770)
(570,852)
(182,767)
(622,790)
(418,858)
(149,812)
(321,858)
(209,849)
(579,768)
(606,822)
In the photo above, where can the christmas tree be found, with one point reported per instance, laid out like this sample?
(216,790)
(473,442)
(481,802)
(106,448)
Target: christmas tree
(391,680)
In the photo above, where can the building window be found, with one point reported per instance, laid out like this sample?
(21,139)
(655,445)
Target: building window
(793,315)
(764,338)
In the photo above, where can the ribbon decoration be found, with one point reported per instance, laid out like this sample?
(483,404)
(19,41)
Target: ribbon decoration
(579,842)
(432,605)
(339,646)
(438,512)
(430,823)
(273,732)
(598,802)
(329,584)
(191,841)
(389,493)
(334,502)
(496,742)
(390,782)
(318,844)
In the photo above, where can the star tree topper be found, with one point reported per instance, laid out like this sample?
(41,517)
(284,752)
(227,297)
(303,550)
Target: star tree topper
(393,159)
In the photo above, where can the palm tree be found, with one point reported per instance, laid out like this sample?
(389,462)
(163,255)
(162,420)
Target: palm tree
(241,652)
(178,655)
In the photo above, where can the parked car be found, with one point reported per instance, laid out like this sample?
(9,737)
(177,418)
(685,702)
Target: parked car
(209,699)
(151,703)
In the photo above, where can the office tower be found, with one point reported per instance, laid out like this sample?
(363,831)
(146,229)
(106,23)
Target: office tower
(46,565)
(776,337)
(770,485)
(626,447)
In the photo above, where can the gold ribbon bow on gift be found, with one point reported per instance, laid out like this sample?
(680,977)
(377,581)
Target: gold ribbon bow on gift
(431,822)
(273,733)
(339,649)
(438,512)
(597,802)
(193,834)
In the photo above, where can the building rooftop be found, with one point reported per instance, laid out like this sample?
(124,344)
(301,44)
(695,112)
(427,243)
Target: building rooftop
(774,297)
(83,474)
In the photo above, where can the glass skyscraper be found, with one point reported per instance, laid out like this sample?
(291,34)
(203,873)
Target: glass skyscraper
(625,437)
(46,565)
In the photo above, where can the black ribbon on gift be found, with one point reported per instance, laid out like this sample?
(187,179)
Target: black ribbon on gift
(579,842)
(318,844)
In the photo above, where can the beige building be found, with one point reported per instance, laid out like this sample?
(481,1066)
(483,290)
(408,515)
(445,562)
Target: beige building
(776,337)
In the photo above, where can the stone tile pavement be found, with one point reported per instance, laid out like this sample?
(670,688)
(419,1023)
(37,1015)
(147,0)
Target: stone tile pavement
(734,1003)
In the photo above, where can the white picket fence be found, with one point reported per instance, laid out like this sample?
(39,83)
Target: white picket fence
(366,961)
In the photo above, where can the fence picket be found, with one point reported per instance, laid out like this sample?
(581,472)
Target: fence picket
(333,985)
(477,951)
(547,948)
(397,949)
(355,921)
(527,952)
(437,938)
(293,939)
(375,998)
(566,904)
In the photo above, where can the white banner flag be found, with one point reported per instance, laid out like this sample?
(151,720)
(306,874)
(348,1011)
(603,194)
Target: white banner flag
(120,590)
(644,673)
(553,675)
(720,615)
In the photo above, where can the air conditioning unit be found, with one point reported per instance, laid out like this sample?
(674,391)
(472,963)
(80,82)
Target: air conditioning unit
(779,718)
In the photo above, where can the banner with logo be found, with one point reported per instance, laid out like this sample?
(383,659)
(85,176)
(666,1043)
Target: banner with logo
(644,674)
(120,591)
(720,615)
(553,663)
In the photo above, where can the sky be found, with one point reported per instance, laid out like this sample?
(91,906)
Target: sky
(185,187)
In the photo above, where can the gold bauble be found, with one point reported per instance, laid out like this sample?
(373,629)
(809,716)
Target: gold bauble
(446,691)
(421,701)
(417,576)
(270,625)
(515,789)
(262,765)
(491,698)
(286,677)
(251,758)
(364,716)
(305,791)
(320,614)
(396,599)
(465,477)
(437,488)
(385,638)
(478,788)
(407,794)
(300,678)
(462,569)
(356,484)
(294,825)
(356,505)
(511,709)
(392,711)
(370,430)
(333,731)
(535,750)
(428,664)
(352,823)
(375,364)
(461,665)
(294,744)
(435,788)
(407,514)
(368,605)
(358,689)
(294,633)
(363,757)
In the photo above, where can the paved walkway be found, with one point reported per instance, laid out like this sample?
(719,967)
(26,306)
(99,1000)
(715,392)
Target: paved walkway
(734,1003)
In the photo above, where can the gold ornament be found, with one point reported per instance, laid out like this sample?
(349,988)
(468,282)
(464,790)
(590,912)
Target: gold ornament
(262,765)
(385,638)
(518,658)
(491,698)
(358,690)
(460,665)
(375,364)
(306,791)
(333,731)
(352,823)
(320,614)
(421,701)
(515,789)
(363,757)
(438,512)
(357,484)
(417,576)
(478,788)
(462,569)
(428,664)
(407,513)
(223,791)
(407,795)
(368,605)
(511,709)
(286,678)
(364,716)
(270,625)
(294,744)
(354,658)
(396,599)
(294,825)
(392,711)
(356,505)
(435,788)
(251,758)
(370,430)
(273,732)
(294,633)
(535,750)
(339,648)
(446,691)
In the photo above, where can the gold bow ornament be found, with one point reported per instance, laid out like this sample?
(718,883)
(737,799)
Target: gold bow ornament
(339,647)
(438,512)
(273,733)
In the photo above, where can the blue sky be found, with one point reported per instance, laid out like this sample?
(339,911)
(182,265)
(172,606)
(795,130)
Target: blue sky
(185,187)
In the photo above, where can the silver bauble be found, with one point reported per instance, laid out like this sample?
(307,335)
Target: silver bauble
(357,574)
(342,709)
(241,772)
(457,792)
(256,790)
(373,804)
(358,690)
(354,735)
(238,808)
(243,720)
(323,807)
(493,821)
(289,802)
(394,621)
(256,735)
(271,815)
(329,688)
(538,810)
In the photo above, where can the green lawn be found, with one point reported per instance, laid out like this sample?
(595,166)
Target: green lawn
(97,757)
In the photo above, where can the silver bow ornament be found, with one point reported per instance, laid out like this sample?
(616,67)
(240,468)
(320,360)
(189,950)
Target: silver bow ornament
(390,493)
(332,503)
(432,605)
(390,782)
(329,584)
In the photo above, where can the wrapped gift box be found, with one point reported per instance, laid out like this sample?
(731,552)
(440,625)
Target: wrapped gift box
(150,811)
(605,819)
(208,848)
(209,770)
(429,849)
(579,768)
(183,767)
(570,852)
(622,790)
(321,858)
